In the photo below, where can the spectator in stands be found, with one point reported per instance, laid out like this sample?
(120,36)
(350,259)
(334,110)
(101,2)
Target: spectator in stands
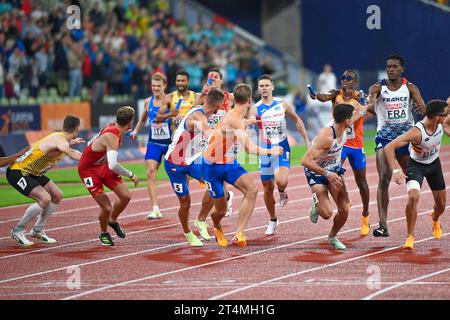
(327,79)
(299,103)
(98,78)
(75,61)
(2,76)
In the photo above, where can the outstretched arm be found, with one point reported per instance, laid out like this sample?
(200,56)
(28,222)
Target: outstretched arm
(297,120)
(249,146)
(142,121)
(63,146)
(6,161)
(112,145)
(374,93)
(446,123)
(326,96)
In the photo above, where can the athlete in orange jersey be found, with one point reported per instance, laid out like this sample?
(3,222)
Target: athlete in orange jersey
(220,165)
(353,148)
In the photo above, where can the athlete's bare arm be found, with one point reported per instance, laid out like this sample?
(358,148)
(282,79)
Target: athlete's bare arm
(446,123)
(297,120)
(162,114)
(417,97)
(238,128)
(412,136)
(198,121)
(142,121)
(6,161)
(62,145)
(111,143)
(325,96)
(374,93)
(322,143)
(251,117)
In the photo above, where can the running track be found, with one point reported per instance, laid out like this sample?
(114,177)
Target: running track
(155,262)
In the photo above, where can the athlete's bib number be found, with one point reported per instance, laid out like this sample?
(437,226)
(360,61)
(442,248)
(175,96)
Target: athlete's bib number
(214,119)
(178,187)
(24,156)
(88,182)
(22,183)
(160,131)
(351,132)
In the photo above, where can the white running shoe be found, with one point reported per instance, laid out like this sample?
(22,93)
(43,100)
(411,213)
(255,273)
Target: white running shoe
(202,228)
(230,204)
(43,237)
(20,238)
(283,198)
(271,227)
(155,214)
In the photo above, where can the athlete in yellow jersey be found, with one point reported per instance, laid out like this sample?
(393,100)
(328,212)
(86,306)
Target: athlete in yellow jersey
(27,175)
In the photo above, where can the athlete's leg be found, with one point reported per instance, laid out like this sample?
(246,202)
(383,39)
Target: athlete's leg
(384,174)
(56,196)
(363,186)
(105,210)
(43,200)
(152,169)
(247,186)
(183,212)
(440,199)
(281,178)
(340,197)
(269,199)
(411,207)
(124,197)
(323,205)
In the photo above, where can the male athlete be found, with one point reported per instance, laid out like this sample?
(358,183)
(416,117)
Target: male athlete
(391,99)
(324,172)
(159,138)
(220,165)
(183,157)
(271,113)
(354,147)
(99,167)
(27,175)
(425,139)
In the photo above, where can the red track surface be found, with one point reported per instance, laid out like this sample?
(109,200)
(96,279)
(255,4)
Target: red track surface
(155,262)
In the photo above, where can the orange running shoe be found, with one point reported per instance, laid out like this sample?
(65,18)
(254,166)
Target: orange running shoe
(437,230)
(365,227)
(220,237)
(239,240)
(409,244)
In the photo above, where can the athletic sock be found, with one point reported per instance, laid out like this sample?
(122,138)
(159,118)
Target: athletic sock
(40,223)
(274,220)
(32,212)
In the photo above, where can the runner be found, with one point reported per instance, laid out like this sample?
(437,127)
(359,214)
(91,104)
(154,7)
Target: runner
(221,165)
(354,147)
(159,137)
(99,167)
(324,172)
(425,139)
(271,113)
(391,100)
(27,175)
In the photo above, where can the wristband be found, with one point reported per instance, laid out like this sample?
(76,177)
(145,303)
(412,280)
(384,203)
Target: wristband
(132,175)
(395,170)
(327,173)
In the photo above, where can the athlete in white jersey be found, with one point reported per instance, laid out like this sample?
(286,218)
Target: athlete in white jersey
(183,156)
(425,142)
(324,173)
(391,99)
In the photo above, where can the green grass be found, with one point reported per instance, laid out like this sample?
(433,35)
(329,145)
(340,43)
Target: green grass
(69,181)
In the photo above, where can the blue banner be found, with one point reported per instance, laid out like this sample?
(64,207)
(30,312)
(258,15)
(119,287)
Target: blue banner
(18,119)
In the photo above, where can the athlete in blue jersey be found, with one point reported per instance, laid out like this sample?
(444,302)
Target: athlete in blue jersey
(271,115)
(159,137)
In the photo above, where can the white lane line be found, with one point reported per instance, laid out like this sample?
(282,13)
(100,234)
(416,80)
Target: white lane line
(234,258)
(411,281)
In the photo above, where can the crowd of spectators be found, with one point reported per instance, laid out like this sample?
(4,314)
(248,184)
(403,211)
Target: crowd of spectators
(119,46)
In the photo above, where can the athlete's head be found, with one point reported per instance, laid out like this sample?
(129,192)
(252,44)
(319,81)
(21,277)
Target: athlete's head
(216,77)
(342,113)
(437,109)
(182,81)
(71,125)
(349,79)
(265,86)
(125,116)
(159,83)
(242,95)
(214,99)
(395,66)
